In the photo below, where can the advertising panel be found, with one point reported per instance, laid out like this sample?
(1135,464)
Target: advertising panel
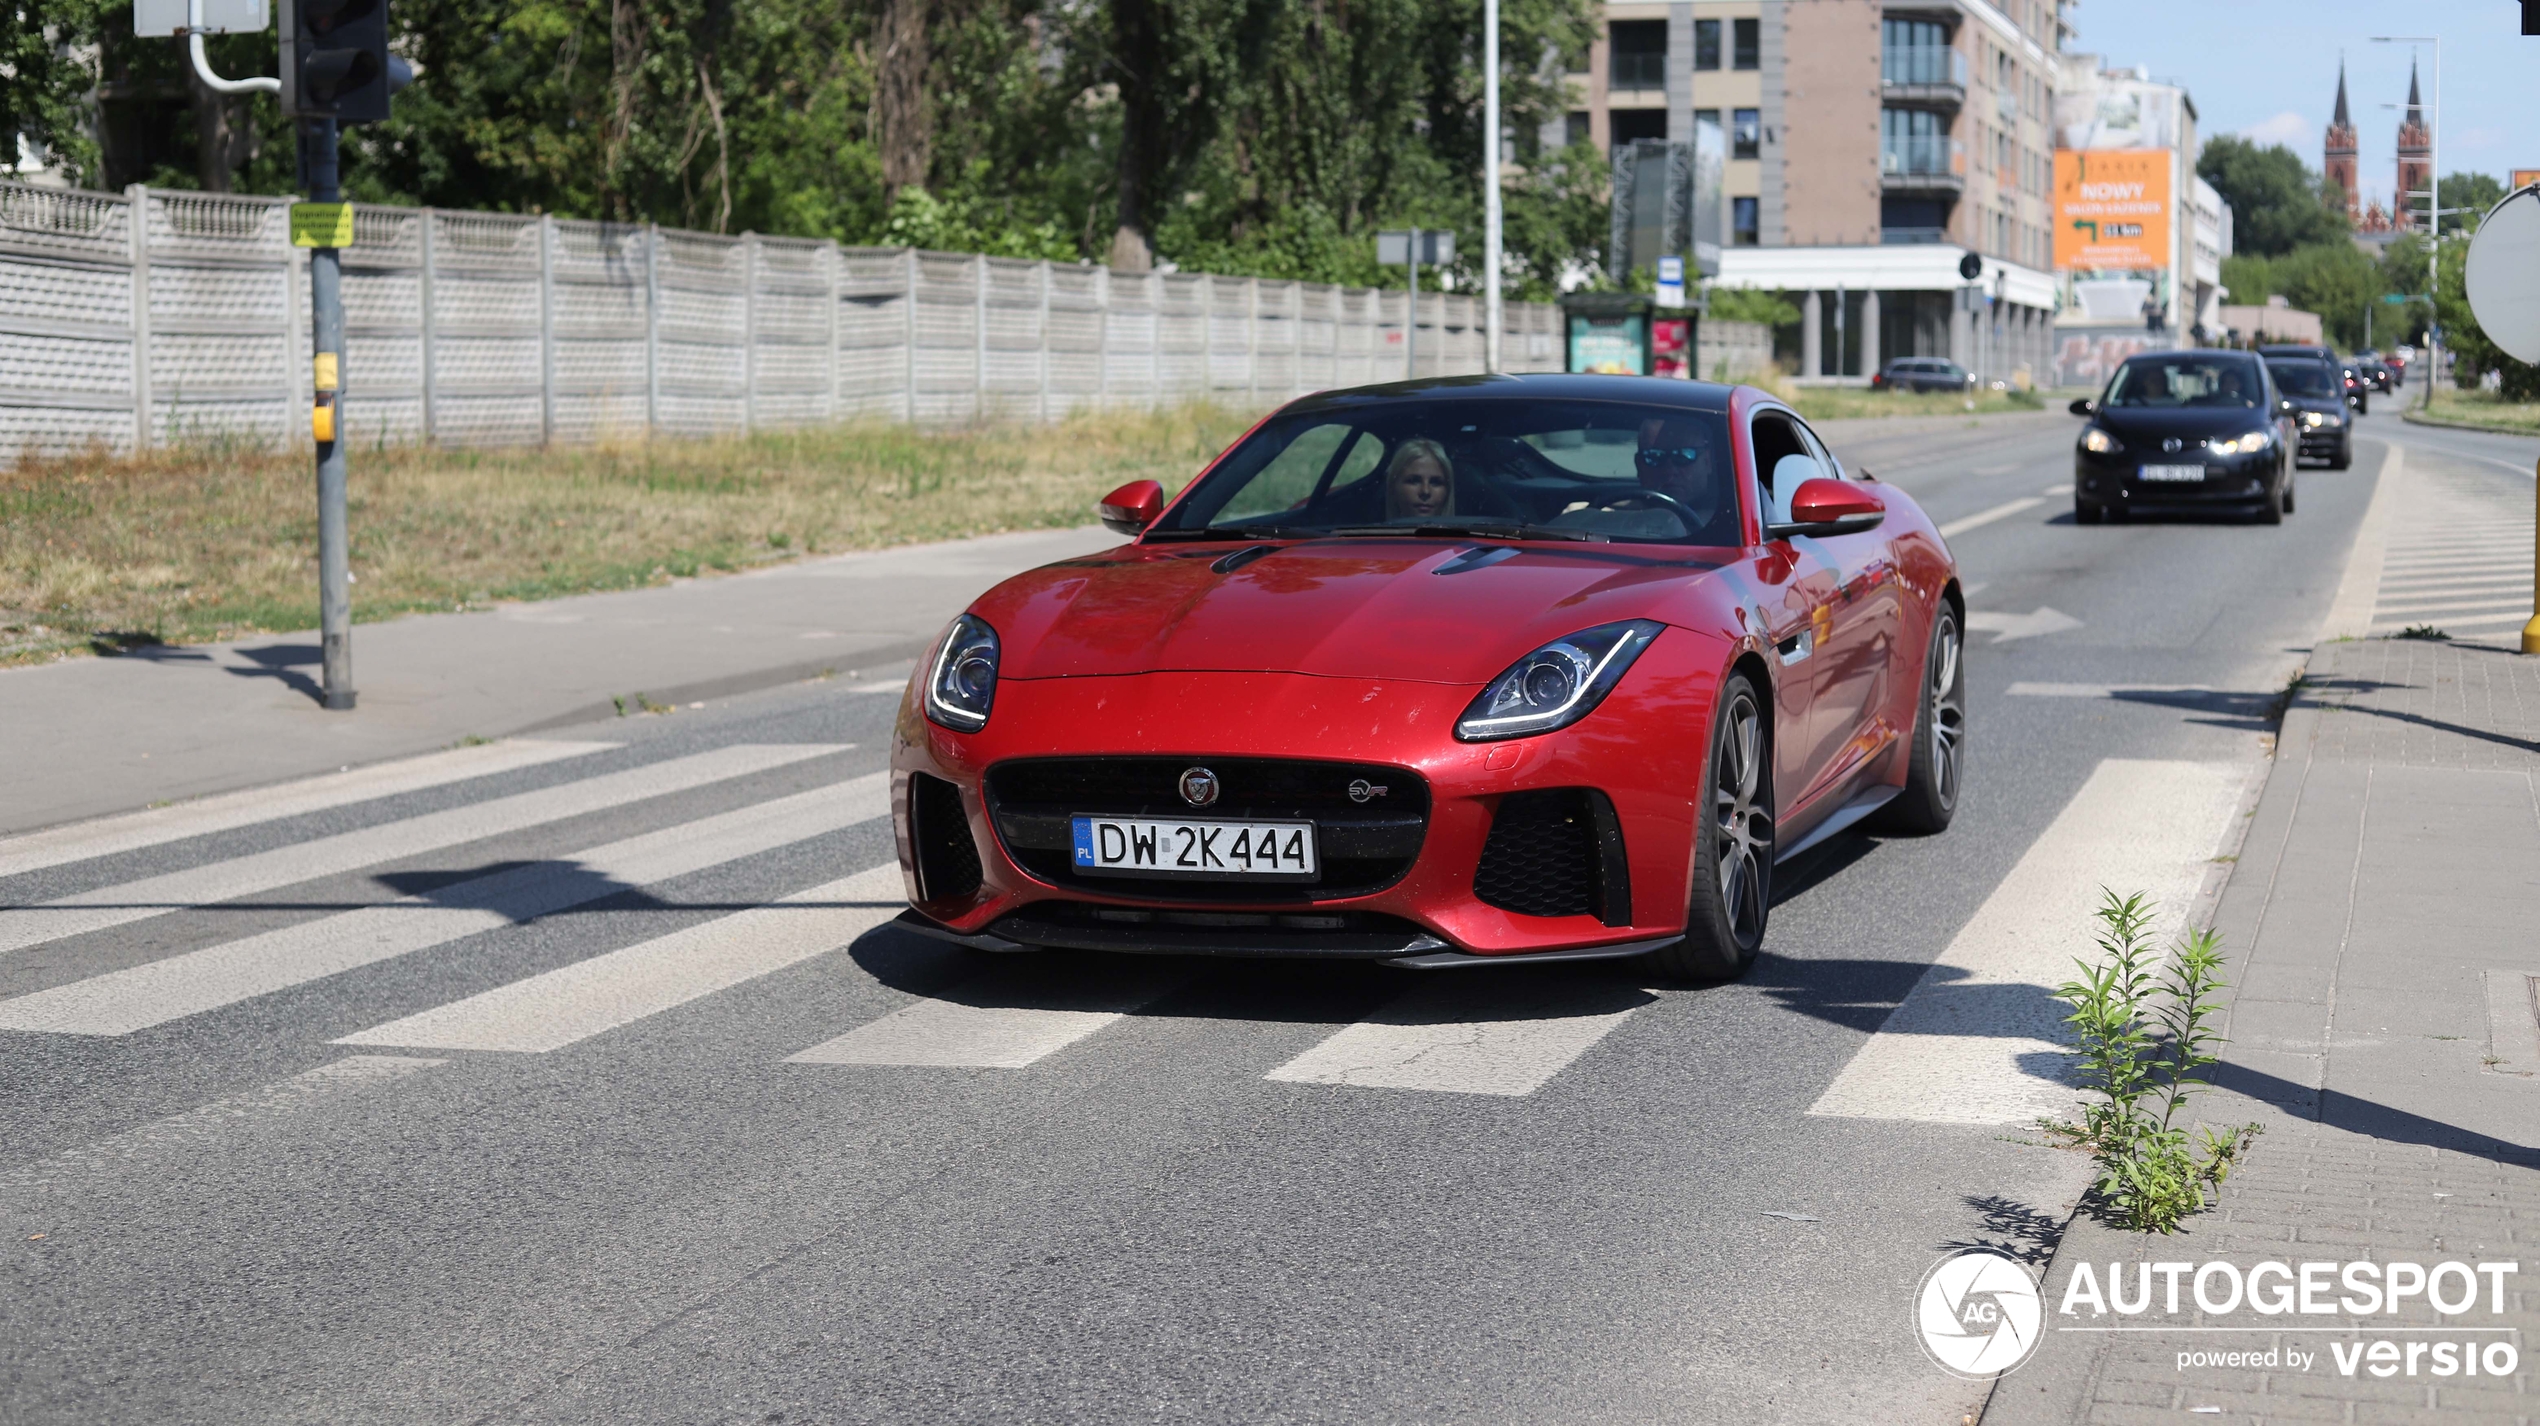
(2112,209)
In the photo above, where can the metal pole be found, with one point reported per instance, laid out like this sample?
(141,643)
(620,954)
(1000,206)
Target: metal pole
(326,331)
(1491,313)
(1411,317)
(2530,631)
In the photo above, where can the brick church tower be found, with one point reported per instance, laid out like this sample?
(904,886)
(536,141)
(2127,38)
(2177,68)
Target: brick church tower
(2416,159)
(2340,156)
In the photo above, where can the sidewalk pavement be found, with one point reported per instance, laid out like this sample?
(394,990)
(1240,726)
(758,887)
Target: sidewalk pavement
(91,736)
(2383,928)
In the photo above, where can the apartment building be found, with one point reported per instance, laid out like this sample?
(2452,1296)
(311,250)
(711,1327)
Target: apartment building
(1872,145)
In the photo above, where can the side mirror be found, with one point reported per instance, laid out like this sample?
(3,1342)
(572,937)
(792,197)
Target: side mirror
(2084,406)
(1826,506)
(1132,507)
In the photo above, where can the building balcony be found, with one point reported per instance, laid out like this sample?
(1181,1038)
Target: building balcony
(1637,69)
(1925,76)
(1933,164)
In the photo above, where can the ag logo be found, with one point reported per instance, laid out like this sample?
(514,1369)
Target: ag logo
(1978,1314)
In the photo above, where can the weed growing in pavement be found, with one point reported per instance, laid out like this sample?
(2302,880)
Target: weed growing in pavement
(2423,631)
(2145,1025)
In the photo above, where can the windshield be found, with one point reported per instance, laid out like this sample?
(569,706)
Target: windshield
(1566,469)
(2304,378)
(2185,379)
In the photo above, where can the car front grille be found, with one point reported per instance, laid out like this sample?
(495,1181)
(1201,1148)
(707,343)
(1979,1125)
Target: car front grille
(1364,846)
(1556,852)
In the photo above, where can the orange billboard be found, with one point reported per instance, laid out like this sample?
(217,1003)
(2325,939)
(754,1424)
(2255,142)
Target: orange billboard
(2523,178)
(2112,209)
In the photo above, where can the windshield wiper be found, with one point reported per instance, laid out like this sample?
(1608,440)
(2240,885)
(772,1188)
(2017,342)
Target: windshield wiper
(1486,529)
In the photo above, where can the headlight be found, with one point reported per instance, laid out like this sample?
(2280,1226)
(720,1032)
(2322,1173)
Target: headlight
(2099,442)
(2249,444)
(2314,418)
(1557,684)
(962,686)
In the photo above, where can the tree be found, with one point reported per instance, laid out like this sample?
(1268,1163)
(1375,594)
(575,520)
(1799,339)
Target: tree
(2473,355)
(2277,203)
(2465,199)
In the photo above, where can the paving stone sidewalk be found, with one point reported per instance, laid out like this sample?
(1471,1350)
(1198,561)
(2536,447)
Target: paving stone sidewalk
(2383,924)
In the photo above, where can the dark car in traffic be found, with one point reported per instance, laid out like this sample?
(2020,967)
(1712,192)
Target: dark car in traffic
(2198,429)
(1921,374)
(2324,428)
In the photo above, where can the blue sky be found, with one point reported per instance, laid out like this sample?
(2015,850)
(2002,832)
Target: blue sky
(2268,69)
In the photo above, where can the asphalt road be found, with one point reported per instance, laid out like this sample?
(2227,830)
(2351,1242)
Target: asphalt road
(572,1162)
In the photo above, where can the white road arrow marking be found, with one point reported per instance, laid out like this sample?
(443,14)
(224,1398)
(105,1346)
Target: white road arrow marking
(2005,627)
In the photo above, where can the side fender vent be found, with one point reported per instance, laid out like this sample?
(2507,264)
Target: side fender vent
(947,858)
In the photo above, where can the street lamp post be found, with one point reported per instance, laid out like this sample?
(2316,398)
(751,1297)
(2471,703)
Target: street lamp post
(1490,186)
(2433,202)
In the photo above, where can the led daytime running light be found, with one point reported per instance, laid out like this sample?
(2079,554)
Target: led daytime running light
(961,687)
(1557,684)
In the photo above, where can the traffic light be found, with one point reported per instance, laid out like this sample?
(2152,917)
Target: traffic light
(335,60)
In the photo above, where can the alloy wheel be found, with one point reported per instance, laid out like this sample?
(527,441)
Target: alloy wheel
(1742,825)
(1948,712)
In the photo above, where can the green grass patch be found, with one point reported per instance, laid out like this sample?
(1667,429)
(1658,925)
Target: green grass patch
(210,541)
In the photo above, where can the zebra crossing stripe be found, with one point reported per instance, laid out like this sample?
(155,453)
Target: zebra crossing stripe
(1980,1039)
(573,1003)
(969,1034)
(1469,1037)
(104,836)
(121,1002)
(140,900)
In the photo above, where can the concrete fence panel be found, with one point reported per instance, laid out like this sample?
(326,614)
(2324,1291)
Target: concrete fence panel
(151,317)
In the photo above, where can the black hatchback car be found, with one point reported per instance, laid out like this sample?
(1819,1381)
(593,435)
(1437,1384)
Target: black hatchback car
(2323,426)
(2185,429)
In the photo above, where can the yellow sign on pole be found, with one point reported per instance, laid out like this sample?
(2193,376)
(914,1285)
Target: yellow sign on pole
(321,225)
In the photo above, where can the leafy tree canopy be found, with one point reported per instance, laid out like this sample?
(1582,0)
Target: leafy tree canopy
(2277,203)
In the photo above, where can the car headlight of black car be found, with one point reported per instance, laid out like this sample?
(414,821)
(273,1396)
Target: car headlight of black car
(2099,442)
(2249,443)
(1556,685)
(962,686)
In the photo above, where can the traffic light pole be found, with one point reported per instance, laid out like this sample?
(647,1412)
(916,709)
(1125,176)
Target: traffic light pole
(326,331)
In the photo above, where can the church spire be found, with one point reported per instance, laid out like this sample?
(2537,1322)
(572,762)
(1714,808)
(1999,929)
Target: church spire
(2341,121)
(2413,104)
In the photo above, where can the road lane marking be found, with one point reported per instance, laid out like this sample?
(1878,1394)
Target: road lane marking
(81,841)
(573,1003)
(2006,626)
(1981,518)
(2393,611)
(945,1033)
(1980,1038)
(2350,610)
(200,1126)
(140,900)
(120,1002)
(1469,1037)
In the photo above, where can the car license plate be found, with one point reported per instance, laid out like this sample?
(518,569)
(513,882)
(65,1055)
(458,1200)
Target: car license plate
(1228,851)
(2180,473)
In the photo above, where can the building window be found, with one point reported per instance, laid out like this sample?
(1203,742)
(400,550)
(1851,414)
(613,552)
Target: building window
(1746,134)
(1576,129)
(1624,126)
(1639,54)
(1915,52)
(1913,220)
(1705,116)
(1706,44)
(1912,141)
(1745,222)
(1747,44)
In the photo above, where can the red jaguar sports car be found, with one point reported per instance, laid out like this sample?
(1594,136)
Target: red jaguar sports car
(1448,672)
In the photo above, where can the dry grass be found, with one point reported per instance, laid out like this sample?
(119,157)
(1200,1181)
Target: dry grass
(2483,408)
(1847,403)
(205,544)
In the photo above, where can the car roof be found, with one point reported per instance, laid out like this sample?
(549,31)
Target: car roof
(1550,386)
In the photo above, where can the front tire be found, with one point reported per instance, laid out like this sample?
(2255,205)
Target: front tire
(2085,513)
(1930,797)
(1732,890)
(2288,492)
(2345,456)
